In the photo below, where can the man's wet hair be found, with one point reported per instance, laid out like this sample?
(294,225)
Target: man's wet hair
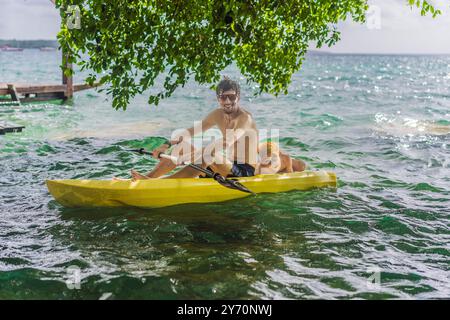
(228,84)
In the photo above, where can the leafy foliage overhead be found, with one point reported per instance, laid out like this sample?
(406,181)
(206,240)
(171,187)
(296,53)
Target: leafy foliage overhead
(129,43)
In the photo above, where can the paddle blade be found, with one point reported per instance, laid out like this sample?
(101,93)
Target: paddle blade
(232,184)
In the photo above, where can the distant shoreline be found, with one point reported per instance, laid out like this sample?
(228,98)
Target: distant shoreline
(30,44)
(38,44)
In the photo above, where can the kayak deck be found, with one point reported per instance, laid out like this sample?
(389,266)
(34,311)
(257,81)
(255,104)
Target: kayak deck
(156,193)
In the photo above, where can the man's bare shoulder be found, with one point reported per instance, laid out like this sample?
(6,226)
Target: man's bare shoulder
(245,111)
(247,117)
(215,114)
(246,114)
(218,112)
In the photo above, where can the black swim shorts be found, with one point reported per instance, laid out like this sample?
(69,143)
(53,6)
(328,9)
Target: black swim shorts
(242,170)
(238,170)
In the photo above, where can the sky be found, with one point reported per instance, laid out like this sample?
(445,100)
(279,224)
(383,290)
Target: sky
(393,27)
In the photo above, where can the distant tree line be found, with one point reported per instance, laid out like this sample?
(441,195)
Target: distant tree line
(29,44)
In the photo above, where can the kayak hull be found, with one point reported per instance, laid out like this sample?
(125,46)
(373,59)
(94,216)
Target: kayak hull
(157,193)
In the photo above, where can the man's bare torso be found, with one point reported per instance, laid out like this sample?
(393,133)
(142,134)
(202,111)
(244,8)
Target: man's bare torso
(239,120)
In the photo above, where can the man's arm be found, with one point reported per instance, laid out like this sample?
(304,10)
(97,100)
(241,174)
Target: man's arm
(202,126)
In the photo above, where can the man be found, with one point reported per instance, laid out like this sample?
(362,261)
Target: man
(234,155)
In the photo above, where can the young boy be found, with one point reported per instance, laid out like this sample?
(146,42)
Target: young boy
(273,160)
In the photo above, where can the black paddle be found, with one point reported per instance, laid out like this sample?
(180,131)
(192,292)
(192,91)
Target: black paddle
(228,183)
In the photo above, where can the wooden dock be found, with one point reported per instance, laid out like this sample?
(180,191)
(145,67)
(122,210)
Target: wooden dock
(7,128)
(20,92)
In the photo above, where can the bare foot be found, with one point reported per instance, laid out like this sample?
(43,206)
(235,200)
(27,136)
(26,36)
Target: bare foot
(118,179)
(137,176)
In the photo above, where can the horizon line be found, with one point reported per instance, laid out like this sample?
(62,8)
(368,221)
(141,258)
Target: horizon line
(309,50)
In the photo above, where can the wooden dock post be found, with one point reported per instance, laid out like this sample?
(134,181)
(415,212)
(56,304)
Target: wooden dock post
(67,80)
(13,92)
(24,93)
(7,128)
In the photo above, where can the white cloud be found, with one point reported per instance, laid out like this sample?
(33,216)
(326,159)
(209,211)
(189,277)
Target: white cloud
(403,30)
(28,19)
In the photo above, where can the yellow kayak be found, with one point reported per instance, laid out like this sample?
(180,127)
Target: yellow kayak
(156,193)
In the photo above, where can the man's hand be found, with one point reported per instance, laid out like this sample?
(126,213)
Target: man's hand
(161,149)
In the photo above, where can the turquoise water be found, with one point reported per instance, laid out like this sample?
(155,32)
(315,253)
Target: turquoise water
(382,123)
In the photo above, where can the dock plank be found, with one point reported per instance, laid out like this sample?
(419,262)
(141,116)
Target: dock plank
(23,88)
(41,88)
(6,128)
(80,87)
(27,89)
